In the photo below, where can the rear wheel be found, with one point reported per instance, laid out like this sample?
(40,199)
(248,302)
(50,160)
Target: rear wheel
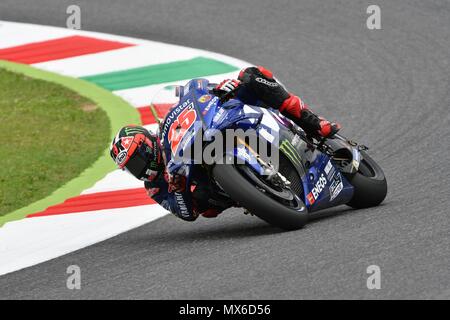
(280,207)
(369,183)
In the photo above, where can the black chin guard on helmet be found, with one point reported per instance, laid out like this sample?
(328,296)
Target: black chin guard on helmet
(138,152)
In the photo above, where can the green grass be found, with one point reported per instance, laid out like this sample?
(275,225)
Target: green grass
(49,135)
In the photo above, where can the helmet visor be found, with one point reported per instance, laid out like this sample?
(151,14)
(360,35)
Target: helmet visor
(139,161)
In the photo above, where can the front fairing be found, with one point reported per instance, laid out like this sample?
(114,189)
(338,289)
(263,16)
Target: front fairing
(200,114)
(185,122)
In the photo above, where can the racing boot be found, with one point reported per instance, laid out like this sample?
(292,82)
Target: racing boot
(296,110)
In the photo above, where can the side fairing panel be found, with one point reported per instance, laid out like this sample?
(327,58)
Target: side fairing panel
(325,185)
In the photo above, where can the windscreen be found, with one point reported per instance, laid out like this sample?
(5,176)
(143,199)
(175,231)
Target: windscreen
(164,99)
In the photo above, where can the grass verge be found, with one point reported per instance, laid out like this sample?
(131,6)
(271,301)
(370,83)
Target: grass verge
(49,154)
(50,134)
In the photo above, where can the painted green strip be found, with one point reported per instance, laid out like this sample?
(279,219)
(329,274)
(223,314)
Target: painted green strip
(119,113)
(160,73)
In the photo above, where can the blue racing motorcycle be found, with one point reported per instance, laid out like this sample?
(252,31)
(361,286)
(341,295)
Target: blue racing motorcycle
(309,174)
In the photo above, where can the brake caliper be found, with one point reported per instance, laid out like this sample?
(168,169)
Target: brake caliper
(274,177)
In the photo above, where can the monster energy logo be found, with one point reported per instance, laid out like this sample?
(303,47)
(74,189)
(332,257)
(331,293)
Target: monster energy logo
(288,149)
(133,130)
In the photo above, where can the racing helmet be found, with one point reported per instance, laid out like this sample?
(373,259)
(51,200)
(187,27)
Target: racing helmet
(137,151)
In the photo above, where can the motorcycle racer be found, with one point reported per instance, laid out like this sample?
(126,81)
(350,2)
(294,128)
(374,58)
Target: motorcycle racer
(139,152)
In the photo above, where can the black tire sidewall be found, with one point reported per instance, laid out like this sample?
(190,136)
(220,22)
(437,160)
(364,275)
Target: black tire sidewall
(368,191)
(264,207)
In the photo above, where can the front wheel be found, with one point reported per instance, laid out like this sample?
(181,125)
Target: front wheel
(370,186)
(236,183)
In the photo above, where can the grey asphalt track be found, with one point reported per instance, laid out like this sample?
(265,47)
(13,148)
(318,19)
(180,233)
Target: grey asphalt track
(389,88)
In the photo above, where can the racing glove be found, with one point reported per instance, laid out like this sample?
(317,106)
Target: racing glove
(226,86)
(177,183)
(210,213)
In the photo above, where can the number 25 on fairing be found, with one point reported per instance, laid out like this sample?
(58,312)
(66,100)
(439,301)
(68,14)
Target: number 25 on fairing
(180,126)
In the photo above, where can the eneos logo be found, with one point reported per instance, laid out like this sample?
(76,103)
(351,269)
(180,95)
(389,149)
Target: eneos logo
(317,190)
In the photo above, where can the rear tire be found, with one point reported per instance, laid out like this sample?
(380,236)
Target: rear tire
(255,201)
(369,183)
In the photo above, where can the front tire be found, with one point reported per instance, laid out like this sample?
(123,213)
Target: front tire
(370,186)
(247,195)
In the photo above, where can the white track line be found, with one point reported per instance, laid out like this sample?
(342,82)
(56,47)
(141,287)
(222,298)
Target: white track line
(28,242)
(16,34)
(116,180)
(121,59)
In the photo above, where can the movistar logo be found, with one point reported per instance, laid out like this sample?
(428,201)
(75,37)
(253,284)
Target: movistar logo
(288,149)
